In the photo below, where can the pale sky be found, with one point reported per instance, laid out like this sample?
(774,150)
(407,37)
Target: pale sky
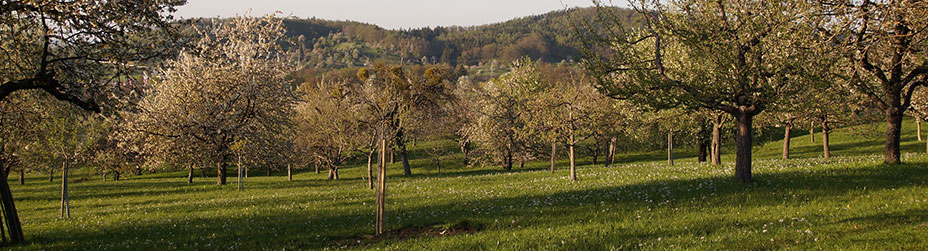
(390,14)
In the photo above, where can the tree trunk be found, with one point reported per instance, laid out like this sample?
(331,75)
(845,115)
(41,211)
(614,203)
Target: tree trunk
(570,153)
(786,139)
(464,151)
(22,176)
(221,171)
(51,177)
(670,148)
(241,179)
(812,131)
(570,145)
(65,203)
(702,152)
(553,154)
(704,139)
(918,127)
(715,149)
(893,130)
(405,158)
(10,216)
(290,170)
(316,165)
(381,188)
(594,154)
(116,175)
(392,154)
(507,159)
(438,163)
(825,131)
(333,173)
(610,155)
(190,175)
(743,122)
(370,173)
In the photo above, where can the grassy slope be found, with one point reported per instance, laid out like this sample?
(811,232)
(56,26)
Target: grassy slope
(849,201)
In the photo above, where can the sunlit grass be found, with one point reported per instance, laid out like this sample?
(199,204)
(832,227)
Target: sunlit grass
(850,201)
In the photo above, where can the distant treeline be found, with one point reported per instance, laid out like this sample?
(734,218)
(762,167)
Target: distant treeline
(548,37)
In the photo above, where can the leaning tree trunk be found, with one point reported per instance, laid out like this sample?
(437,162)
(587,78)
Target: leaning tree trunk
(65,203)
(553,154)
(826,129)
(743,141)
(893,131)
(10,216)
(786,139)
(381,188)
(670,148)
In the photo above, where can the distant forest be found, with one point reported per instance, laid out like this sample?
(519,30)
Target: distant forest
(550,37)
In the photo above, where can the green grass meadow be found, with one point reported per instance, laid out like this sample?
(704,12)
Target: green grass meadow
(851,201)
